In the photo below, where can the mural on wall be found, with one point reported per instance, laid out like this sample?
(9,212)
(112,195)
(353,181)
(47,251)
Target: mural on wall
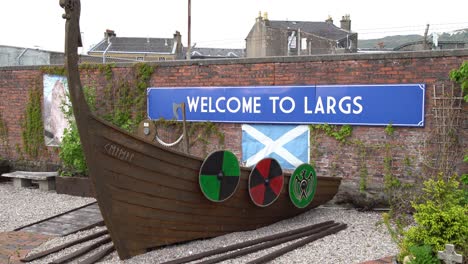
(55,99)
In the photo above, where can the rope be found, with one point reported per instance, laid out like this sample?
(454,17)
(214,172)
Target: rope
(169,144)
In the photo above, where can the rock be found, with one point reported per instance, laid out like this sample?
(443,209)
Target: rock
(408,259)
(372,197)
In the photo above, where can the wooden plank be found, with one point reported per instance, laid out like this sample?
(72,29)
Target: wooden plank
(82,251)
(63,246)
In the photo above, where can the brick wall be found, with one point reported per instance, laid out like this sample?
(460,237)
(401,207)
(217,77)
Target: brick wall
(330,157)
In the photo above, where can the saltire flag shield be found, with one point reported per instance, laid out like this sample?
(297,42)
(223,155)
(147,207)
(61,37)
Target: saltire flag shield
(288,144)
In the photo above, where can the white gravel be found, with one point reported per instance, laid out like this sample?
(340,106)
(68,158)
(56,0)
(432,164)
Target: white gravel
(22,206)
(364,239)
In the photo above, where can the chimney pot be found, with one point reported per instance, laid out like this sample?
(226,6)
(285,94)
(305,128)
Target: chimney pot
(259,17)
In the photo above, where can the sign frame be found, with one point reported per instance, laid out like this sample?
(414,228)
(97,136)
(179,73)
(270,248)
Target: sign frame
(410,98)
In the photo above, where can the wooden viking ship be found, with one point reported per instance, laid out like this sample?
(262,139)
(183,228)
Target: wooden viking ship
(149,195)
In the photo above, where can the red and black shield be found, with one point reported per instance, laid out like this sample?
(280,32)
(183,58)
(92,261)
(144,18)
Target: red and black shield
(265,182)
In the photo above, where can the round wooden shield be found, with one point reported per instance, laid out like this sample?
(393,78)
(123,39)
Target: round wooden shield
(265,182)
(219,176)
(302,185)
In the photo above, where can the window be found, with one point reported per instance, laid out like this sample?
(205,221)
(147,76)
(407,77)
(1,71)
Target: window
(303,43)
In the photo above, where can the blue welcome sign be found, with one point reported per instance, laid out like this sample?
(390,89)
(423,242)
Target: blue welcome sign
(375,105)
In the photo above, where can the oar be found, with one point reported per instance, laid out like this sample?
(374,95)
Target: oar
(60,247)
(82,251)
(298,244)
(99,255)
(265,245)
(249,243)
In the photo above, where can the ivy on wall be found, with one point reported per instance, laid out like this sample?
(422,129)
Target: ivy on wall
(340,133)
(4,135)
(33,126)
(143,76)
(55,70)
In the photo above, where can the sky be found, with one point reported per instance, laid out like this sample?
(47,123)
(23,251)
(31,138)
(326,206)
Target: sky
(217,23)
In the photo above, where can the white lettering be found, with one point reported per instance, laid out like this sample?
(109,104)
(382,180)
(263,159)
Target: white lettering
(257,105)
(359,106)
(274,99)
(193,104)
(217,104)
(203,105)
(210,105)
(331,102)
(319,106)
(247,105)
(348,105)
(229,107)
(293,105)
(306,108)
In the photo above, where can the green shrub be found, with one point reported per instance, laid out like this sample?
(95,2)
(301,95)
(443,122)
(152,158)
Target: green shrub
(460,76)
(441,217)
(71,151)
(423,255)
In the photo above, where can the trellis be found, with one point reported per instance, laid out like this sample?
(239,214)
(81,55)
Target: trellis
(444,145)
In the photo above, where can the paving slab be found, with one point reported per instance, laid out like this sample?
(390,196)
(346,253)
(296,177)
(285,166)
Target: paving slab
(68,223)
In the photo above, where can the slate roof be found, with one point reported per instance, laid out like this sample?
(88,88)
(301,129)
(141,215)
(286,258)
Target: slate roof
(216,53)
(322,29)
(129,44)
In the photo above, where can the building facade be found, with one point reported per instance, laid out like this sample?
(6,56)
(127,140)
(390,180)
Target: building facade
(138,49)
(292,38)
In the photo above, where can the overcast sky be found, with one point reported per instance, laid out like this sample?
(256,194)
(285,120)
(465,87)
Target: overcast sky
(217,23)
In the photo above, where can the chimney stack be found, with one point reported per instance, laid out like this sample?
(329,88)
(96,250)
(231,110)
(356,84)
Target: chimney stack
(345,22)
(177,37)
(108,34)
(329,20)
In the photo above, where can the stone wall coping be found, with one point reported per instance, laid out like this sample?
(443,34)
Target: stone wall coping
(287,59)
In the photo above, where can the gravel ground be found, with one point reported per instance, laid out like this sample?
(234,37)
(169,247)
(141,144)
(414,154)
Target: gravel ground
(22,206)
(364,239)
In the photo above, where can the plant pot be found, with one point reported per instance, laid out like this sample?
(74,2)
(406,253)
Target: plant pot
(76,186)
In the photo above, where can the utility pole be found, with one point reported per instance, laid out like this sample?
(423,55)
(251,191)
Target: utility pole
(189,26)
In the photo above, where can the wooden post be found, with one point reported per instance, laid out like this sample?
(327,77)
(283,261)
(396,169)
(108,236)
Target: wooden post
(186,137)
(425,37)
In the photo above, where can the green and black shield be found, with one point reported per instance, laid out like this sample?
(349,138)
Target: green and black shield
(302,185)
(219,175)
(265,182)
